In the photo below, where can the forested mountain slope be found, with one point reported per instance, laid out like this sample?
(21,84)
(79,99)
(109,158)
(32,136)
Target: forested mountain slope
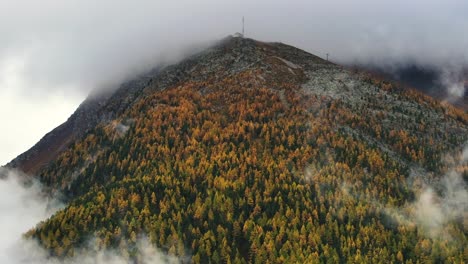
(261,152)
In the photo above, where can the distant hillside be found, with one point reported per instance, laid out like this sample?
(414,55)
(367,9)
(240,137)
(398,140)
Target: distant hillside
(422,78)
(254,152)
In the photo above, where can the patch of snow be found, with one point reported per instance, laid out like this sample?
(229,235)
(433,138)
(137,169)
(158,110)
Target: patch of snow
(288,63)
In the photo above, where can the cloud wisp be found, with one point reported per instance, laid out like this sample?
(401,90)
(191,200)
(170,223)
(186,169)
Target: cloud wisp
(437,203)
(453,79)
(30,252)
(23,204)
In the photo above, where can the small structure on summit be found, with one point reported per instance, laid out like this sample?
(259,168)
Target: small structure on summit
(238,35)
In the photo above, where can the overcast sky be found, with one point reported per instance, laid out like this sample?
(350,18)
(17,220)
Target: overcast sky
(52,53)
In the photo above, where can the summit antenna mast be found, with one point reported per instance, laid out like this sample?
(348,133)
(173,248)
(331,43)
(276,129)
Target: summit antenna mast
(243,32)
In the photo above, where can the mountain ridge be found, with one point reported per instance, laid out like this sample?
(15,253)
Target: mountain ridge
(95,108)
(426,79)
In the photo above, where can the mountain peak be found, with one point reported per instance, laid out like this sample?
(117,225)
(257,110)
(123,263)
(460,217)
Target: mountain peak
(229,56)
(268,64)
(239,148)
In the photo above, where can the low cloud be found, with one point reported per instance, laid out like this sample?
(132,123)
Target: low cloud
(438,202)
(432,210)
(453,80)
(23,204)
(29,252)
(121,127)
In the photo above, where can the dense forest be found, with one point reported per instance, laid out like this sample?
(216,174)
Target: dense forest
(243,169)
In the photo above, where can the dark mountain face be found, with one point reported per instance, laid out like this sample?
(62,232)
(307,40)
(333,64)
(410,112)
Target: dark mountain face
(418,77)
(426,79)
(255,152)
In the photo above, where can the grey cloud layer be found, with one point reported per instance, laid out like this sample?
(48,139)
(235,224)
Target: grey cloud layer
(80,45)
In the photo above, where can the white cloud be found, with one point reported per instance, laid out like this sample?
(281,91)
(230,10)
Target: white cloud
(30,252)
(437,203)
(23,204)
